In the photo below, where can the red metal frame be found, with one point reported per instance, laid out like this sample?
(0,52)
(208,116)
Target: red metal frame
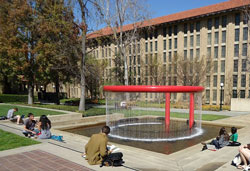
(164,89)
(142,88)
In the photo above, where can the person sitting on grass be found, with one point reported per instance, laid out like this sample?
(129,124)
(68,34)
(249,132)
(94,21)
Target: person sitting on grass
(96,148)
(29,126)
(12,117)
(44,126)
(245,156)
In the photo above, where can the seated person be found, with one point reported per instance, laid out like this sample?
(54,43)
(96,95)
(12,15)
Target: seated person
(12,117)
(245,156)
(44,126)
(221,140)
(234,137)
(29,126)
(96,148)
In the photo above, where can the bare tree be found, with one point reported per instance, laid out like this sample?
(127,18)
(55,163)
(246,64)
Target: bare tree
(116,14)
(192,72)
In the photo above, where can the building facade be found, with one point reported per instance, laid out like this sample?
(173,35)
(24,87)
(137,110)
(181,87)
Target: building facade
(218,31)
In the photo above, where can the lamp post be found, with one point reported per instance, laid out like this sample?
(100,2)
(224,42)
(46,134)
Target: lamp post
(221,87)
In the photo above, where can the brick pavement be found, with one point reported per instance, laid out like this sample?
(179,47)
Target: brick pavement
(38,160)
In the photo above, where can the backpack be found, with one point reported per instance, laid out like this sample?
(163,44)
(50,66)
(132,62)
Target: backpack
(236,161)
(3,117)
(113,159)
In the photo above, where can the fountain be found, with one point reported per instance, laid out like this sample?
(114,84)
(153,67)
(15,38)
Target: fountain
(147,113)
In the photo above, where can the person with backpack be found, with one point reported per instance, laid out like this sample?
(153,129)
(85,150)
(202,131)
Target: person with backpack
(96,148)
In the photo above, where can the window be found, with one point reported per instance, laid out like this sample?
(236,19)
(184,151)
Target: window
(244,49)
(170,56)
(222,79)
(242,93)
(222,68)
(214,95)
(215,81)
(209,24)
(208,81)
(170,68)
(235,79)
(169,81)
(236,50)
(134,60)
(146,47)
(170,44)
(169,31)
(164,57)
(175,43)
(164,44)
(164,30)
(129,49)
(146,59)
(234,93)
(191,28)
(235,65)
(224,21)
(224,37)
(185,28)
(191,54)
(237,19)
(138,59)
(208,95)
(130,60)
(244,65)
(215,66)
(198,26)
(216,22)
(146,35)
(216,38)
(216,52)
(185,54)
(197,40)
(155,34)
(223,51)
(175,30)
(185,42)
(151,46)
(243,80)
(209,38)
(139,71)
(102,52)
(197,53)
(191,41)
(245,33)
(156,45)
(237,35)
(109,52)
(138,48)
(209,52)
(146,70)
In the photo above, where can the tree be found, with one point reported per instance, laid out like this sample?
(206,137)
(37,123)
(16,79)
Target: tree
(192,72)
(115,14)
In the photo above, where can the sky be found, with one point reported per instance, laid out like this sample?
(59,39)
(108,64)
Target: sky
(160,8)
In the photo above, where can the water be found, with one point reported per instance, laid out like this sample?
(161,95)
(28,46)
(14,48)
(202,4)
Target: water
(165,147)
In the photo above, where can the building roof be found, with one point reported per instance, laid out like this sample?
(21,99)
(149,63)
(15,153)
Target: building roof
(224,6)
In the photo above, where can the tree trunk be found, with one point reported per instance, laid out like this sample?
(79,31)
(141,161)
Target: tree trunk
(57,92)
(82,98)
(30,94)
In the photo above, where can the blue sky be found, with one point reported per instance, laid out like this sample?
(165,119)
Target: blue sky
(160,8)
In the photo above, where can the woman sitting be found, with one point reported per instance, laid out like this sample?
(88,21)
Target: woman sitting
(245,156)
(222,140)
(44,126)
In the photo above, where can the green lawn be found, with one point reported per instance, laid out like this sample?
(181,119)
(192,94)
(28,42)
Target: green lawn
(9,141)
(205,117)
(25,110)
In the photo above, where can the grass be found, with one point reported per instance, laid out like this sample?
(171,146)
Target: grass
(25,110)
(9,141)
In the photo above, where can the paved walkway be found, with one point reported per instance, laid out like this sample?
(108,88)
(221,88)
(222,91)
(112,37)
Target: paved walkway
(38,160)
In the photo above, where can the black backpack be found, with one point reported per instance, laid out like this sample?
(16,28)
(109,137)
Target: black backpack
(3,117)
(113,159)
